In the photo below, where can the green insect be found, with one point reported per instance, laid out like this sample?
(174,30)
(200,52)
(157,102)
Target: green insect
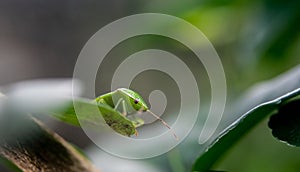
(117,108)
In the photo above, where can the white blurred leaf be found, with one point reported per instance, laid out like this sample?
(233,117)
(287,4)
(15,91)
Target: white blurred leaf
(41,95)
(32,97)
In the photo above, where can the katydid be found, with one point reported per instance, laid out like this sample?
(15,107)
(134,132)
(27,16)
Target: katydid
(131,102)
(115,108)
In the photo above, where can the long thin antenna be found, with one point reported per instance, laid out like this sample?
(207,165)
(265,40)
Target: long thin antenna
(165,124)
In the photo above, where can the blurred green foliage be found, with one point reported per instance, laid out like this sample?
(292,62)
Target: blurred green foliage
(256,40)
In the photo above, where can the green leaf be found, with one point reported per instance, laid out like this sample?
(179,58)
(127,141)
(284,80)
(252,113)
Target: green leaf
(9,165)
(285,124)
(237,129)
(88,115)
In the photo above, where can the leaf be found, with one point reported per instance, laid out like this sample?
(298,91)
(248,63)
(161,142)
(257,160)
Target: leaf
(41,150)
(237,129)
(285,124)
(36,96)
(88,114)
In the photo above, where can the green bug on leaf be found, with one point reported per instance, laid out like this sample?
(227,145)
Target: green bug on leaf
(116,108)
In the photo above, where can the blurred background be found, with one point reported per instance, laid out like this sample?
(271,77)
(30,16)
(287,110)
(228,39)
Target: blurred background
(256,41)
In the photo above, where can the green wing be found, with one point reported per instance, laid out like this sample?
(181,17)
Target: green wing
(87,115)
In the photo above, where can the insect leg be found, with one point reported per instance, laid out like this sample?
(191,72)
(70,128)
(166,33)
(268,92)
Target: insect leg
(124,108)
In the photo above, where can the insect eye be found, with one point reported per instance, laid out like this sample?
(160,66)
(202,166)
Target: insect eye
(136,101)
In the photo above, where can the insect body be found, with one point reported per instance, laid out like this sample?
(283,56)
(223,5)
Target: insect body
(130,102)
(116,108)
